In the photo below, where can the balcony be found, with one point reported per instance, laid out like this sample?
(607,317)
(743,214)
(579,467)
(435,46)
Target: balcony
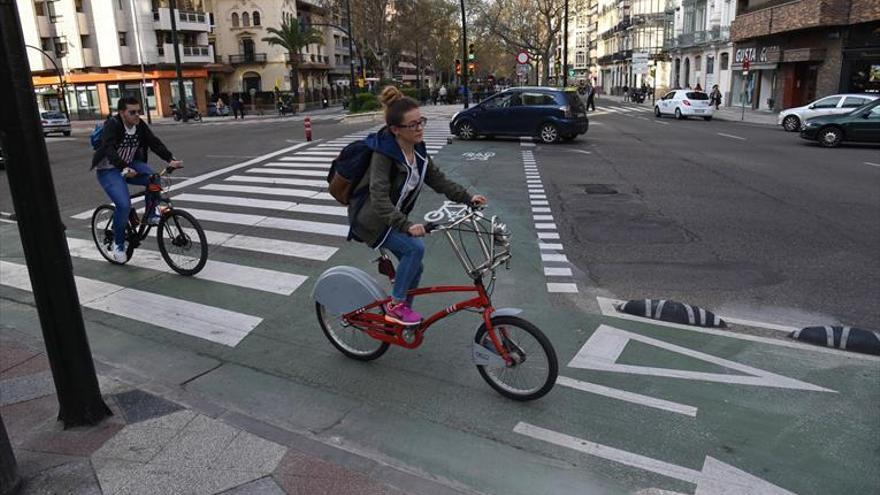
(310,60)
(186,20)
(89,58)
(82,23)
(188,54)
(717,34)
(247,58)
(47,28)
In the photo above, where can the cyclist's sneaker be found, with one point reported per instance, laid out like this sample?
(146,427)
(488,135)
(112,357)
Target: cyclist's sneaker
(401,314)
(118,254)
(154,217)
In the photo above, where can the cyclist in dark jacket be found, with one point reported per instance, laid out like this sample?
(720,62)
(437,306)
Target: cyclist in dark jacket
(122,159)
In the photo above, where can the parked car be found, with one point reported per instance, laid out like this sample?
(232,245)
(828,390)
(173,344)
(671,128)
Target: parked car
(861,124)
(215,111)
(55,122)
(684,103)
(550,114)
(792,119)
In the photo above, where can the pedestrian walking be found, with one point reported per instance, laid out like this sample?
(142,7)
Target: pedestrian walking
(625,93)
(698,87)
(442,94)
(715,97)
(236,107)
(591,97)
(221,107)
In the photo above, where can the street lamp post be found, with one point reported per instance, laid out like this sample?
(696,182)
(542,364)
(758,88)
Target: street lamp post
(60,80)
(181,105)
(464,56)
(351,85)
(565,48)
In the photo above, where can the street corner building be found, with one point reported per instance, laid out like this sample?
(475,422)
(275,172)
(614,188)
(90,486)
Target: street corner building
(804,49)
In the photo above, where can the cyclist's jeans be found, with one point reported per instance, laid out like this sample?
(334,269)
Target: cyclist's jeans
(114,185)
(409,252)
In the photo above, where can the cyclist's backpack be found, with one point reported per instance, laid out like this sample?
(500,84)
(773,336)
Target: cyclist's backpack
(95,136)
(348,169)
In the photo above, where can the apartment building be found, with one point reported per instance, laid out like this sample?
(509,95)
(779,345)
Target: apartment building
(581,25)
(631,26)
(699,45)
(100,46)
(800,50)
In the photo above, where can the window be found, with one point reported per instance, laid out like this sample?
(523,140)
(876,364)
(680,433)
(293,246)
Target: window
(256,18)
(46,44)
(725,60)
(875,113)
(79,5)
(123,38)
(50,11)
(245,20)
(830,102)
(710,65)
(84,41)
(698,63)
(39,8)
(500,101)
(235,19)
(580,59)
(853,102)
(537,99)
(60,45)
(697,96)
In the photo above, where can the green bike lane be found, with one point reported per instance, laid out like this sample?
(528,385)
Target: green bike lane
(802,419)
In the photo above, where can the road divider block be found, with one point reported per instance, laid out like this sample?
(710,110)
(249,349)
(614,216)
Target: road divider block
(672,311)
(846,338)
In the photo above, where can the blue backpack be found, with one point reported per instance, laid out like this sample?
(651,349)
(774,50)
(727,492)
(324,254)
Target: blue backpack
(348,169)
(95,136)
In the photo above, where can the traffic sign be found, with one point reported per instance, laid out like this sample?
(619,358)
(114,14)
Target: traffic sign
(747,64)
(522,58)
(571,72)
(640,62)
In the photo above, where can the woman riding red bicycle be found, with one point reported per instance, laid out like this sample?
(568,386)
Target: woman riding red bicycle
(400,166)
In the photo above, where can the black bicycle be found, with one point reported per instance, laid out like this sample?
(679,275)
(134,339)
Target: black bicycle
(181,238)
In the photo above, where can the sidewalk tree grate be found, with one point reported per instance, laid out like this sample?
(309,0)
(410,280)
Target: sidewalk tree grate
(671,311)
(846,338)
(599,189)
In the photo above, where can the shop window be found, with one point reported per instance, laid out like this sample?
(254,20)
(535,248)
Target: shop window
(235,19)
(245,20)
(123,38)
(854,102)
(725,61)
(256,18)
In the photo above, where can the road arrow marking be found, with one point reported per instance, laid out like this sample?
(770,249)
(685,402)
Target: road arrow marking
(604,347)
(716,478)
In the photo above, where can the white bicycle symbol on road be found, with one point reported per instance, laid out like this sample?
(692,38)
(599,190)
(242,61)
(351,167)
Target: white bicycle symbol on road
(450,210)
(482,156)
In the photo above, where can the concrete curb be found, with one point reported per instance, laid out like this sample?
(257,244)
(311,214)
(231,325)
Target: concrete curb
(845,338)
(671,311)
(360,118)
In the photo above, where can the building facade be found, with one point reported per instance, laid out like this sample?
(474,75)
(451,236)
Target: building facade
(100,48)
(804,49)
(699,48)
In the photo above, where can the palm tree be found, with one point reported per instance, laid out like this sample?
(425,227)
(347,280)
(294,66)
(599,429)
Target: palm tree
(293,37)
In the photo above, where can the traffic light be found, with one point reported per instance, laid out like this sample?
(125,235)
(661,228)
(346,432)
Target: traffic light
(457,67)
(472,68)
(471,55)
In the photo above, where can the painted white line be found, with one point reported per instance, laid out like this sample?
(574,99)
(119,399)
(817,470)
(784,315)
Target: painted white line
(270,191)
(12,221)
(325,167)
(300,159)
(537,196)
(320,184)
(198,320)
(542,217)
(610,453)
(550,246)
(284,171)
(606,306)
(311,153)
(660,122)
(210,175)
(289,249)
(631,397)
(731,136)
(872,164)
(545,226)
(537,190)
(268,204)
(557,272)
(548,235)
(540,209)
(539,202)
(566,288)
(214,271)
(324,228)
(554,257)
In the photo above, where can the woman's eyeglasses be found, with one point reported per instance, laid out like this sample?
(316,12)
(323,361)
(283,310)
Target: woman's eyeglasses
(415,125)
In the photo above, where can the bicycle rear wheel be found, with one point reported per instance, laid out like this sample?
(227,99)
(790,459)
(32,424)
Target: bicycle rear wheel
(535,368)
(348,339)
(102,233)
(182,242)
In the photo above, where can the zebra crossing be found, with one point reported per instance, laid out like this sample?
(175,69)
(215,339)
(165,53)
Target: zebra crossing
(628,110)
(276,207)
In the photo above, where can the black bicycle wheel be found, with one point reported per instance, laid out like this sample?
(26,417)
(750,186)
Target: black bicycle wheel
(349,340)
(102,233)
(182,242)
(535,368)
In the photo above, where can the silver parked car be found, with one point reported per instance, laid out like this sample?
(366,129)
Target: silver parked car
(793,119)
(55,122)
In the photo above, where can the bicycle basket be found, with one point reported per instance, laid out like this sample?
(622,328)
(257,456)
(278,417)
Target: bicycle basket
(488,236)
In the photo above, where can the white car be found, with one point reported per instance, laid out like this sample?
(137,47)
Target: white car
(54,122)
(793,118)
(684,103)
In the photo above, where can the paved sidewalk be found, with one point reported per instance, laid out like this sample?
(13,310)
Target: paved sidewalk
(334,111)
(160,445)
(733,114)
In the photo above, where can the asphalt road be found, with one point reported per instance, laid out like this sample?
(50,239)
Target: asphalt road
(750,223)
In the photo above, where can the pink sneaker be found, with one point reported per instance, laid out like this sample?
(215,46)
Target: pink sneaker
(401,314)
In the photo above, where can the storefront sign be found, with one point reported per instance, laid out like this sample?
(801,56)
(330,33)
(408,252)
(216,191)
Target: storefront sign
(755,54)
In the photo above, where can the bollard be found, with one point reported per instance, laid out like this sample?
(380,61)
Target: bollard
(308,125)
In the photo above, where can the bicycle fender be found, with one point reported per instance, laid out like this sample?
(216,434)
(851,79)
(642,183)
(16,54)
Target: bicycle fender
(506,312)
(342,289)
(488,357)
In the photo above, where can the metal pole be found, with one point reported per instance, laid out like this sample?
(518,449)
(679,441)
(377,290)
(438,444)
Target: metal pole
(181,104)
(464,53)
(565,48)
(60,80)
(137,41)
(42,234)
(743,99)
(351,84)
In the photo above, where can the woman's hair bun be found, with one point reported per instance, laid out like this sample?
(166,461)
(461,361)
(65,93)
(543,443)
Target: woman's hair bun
(389,95)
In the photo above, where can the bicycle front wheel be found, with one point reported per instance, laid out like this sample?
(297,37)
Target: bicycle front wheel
(102,233)
(348,339)
(534,369)
(182,243)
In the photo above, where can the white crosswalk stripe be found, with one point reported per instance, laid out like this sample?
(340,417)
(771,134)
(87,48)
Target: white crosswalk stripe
(267,204)
(323,228)
(278,171)
(271,191)
(274,180)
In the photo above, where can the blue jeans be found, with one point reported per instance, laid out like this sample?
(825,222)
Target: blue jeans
(115,186)
(409,252)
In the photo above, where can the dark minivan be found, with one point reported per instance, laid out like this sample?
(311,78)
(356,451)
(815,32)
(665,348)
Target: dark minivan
(550,114)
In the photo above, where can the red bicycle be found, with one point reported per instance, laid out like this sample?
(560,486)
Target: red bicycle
(510,353)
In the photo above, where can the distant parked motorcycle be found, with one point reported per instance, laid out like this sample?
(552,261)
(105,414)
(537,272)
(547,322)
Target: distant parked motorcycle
(285,106)
(192,113)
